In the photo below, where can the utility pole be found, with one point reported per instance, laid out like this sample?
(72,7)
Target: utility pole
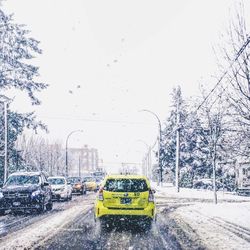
(79,162)
(5,141)
(177,161)
(214,170)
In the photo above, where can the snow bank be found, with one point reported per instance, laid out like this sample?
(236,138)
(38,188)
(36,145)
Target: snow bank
(170,192)
(41,231)
(225,225)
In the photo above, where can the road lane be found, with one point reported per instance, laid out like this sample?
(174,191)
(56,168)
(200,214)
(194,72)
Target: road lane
(71,225)
(15,230)
(85,233)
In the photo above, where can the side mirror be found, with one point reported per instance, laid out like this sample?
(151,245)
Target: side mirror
(69,183)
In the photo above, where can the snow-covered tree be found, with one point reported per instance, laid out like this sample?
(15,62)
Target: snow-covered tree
(16,48)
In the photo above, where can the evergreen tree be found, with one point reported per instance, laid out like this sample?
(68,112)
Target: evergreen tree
(16,48)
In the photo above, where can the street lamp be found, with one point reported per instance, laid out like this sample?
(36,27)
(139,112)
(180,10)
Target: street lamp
(159,140)
(66,156)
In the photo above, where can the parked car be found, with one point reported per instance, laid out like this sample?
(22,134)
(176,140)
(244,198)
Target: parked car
(90,183)
(61,189)
(127,197)
(78,186)
(26,191)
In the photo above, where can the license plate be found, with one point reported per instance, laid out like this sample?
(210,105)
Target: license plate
(16,203)
(125,200)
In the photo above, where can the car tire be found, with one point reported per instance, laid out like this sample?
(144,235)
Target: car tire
(105,225)
(41,208)
(148,224)
(49,206)
(2,212)
(70,197)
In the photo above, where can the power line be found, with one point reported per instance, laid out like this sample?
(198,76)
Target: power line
(94,120)
(225,73)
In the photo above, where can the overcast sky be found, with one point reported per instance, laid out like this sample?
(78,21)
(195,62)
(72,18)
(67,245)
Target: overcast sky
(106,60)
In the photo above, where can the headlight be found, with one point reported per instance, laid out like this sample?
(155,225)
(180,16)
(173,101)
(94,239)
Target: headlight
(1,195)
(35,193)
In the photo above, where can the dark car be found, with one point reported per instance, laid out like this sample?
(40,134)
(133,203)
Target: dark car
(26,191)
(78,186)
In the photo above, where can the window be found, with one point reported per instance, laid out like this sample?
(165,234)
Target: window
(16,180)
(126,185)
(56,181)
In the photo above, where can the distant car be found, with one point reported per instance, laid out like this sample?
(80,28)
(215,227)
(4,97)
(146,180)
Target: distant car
(78,186)
(98,182)
(26,191)
(125,197)
(61,189)
(90,182)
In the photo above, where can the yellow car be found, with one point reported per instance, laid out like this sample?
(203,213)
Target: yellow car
(90,182)
(125,197)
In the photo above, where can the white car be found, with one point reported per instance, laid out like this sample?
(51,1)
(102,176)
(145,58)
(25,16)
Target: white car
(61,189)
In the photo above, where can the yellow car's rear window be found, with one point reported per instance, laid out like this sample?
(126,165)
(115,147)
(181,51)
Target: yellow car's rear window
(126,185)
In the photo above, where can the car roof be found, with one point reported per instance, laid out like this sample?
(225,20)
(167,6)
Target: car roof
(25,173)
(126,177)
(56,177)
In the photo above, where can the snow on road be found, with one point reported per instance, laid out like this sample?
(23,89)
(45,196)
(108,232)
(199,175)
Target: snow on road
(225,225)
(44,229)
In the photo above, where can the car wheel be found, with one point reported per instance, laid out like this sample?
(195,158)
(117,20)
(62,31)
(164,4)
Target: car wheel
(2,212)
(49,206)
(105,225)
(41,208)
(70,197)
(148,224)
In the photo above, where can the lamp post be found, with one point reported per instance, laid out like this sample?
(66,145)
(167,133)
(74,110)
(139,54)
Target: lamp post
(147,159)
(159,141)
(66,155)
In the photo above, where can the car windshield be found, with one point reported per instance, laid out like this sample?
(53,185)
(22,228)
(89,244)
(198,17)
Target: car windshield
(126,185)
(74,179)
(88,179)
(56,181)
(17,180)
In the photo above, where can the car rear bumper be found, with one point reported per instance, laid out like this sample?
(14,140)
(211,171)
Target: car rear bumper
(148,212)
(23,204)
(58,196)
(76,190)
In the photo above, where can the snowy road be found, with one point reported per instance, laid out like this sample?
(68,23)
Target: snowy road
(182,223)
(84,233)
(71,225)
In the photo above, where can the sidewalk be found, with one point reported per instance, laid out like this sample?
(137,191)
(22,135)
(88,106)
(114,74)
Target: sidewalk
(222,226)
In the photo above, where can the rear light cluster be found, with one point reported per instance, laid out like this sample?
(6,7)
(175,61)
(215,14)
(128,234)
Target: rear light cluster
(100,194)
(151,196)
